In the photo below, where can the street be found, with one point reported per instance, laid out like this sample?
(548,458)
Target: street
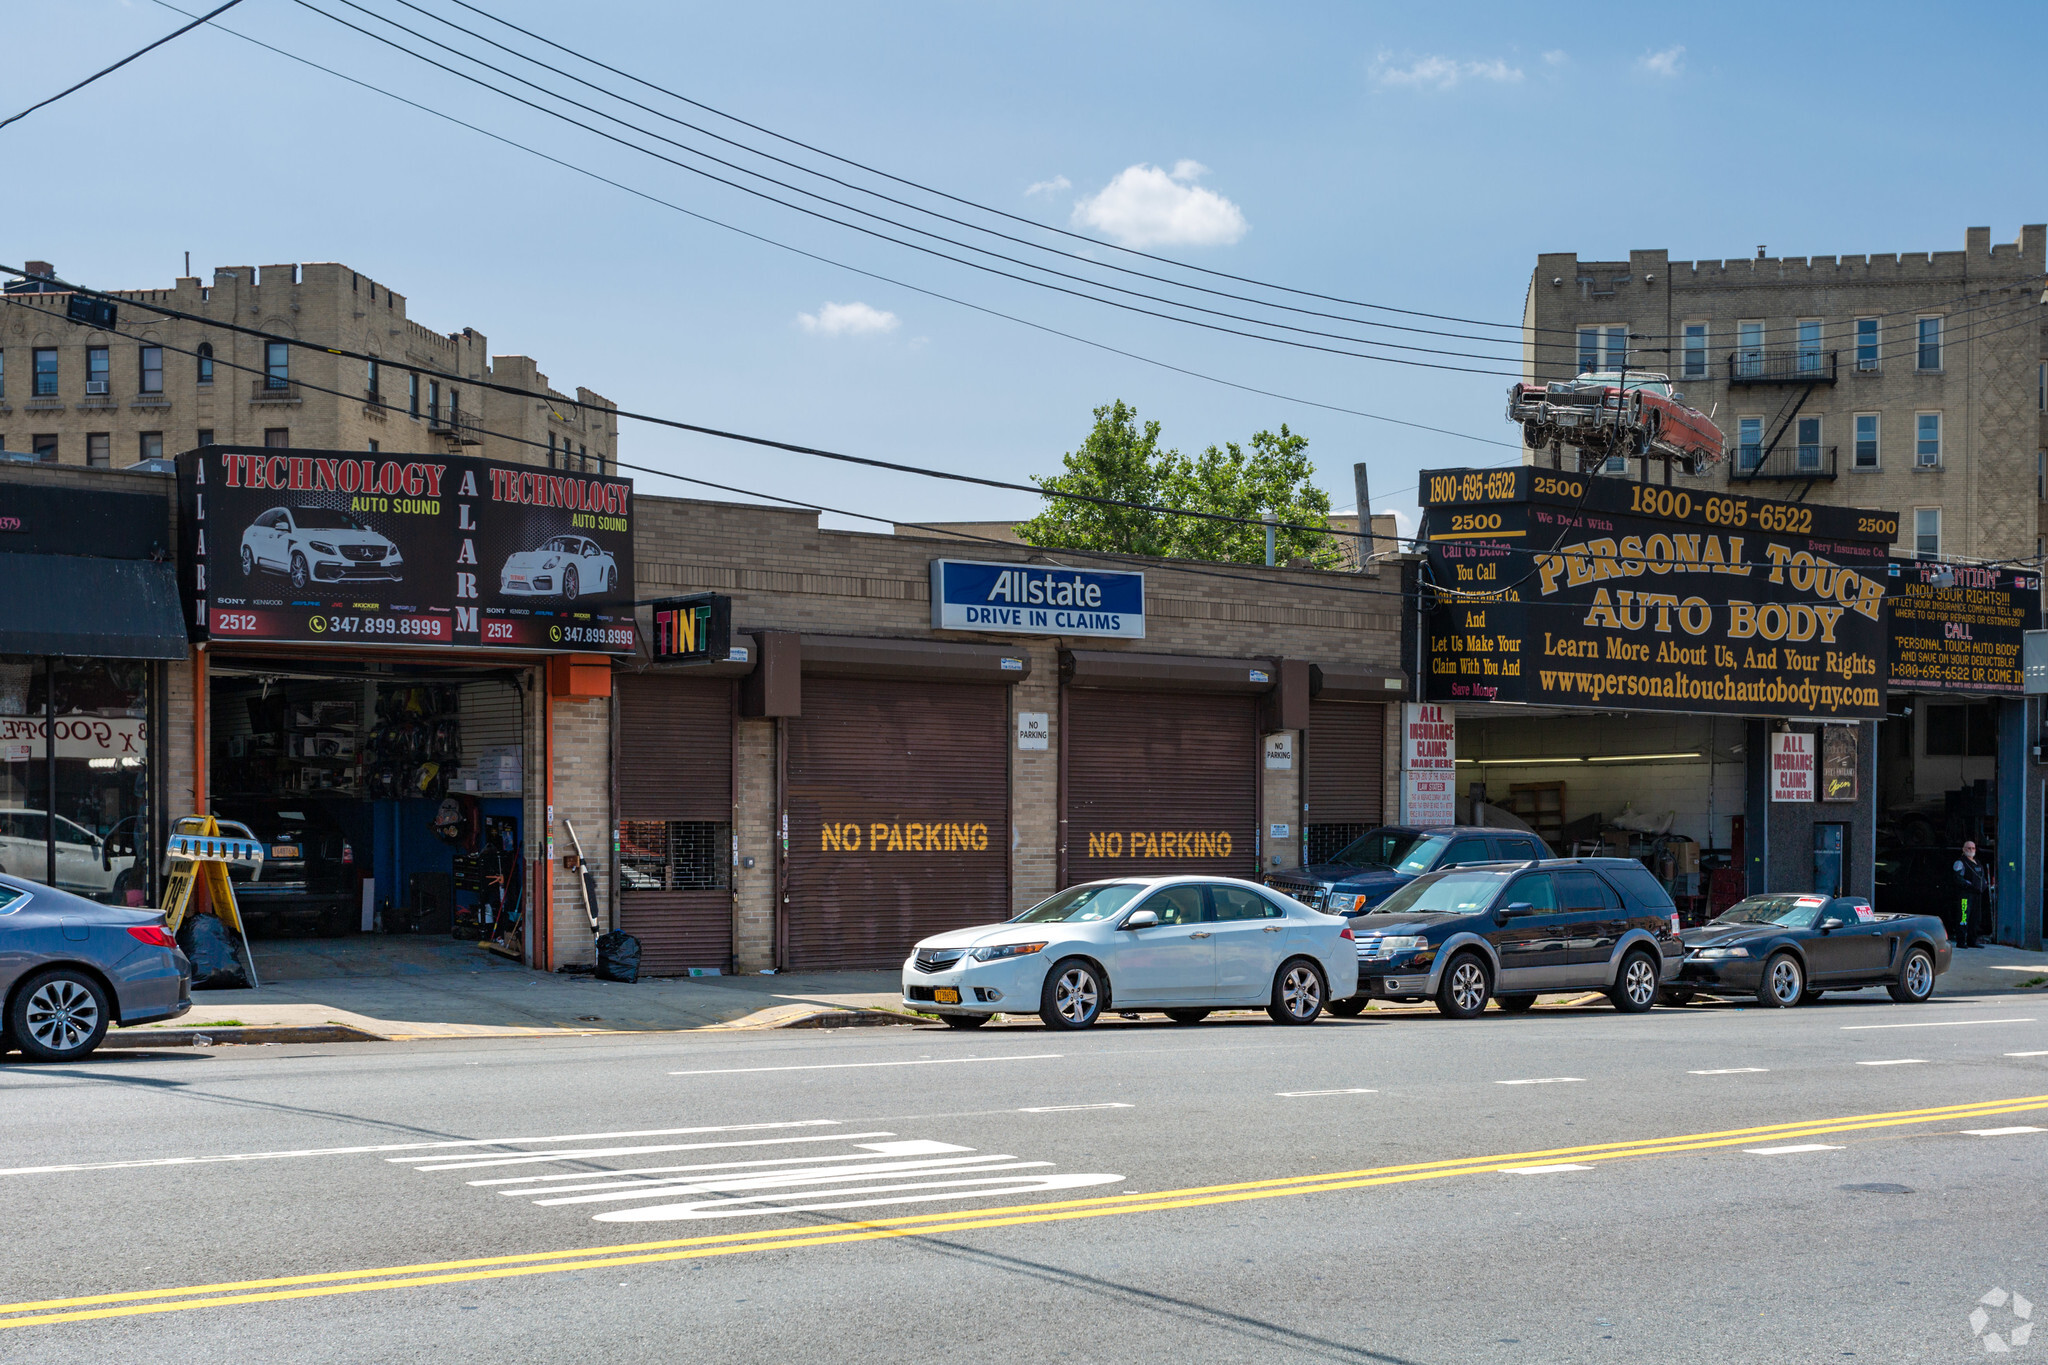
(1845,1180)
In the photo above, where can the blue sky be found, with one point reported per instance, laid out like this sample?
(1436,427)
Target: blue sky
(1412,156)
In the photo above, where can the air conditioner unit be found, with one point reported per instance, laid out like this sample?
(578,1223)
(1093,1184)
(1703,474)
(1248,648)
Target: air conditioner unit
(95,386)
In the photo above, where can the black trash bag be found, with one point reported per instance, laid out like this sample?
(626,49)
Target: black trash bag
(216,961)
(618,958)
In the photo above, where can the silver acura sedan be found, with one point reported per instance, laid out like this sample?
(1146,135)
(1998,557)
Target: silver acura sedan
(1178,946)
(70,967)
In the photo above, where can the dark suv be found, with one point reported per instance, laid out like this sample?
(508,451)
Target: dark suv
(1516,930)
(1375,865)
(306,879)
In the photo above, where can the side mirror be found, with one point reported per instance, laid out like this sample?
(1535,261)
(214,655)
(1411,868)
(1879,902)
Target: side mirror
(1141,919)
(1832,923)
(106,855)
(1517,910)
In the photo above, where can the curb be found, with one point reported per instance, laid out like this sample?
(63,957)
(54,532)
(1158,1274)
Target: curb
(215,1037)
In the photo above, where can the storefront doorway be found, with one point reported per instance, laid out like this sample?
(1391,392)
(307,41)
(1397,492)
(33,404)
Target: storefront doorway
(1938,785)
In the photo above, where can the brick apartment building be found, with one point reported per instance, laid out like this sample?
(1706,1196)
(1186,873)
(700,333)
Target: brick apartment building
(153,386)
(1914,382)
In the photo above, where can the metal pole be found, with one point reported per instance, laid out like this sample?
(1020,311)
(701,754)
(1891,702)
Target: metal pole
(1365,541)
(1269,518)
(50,759)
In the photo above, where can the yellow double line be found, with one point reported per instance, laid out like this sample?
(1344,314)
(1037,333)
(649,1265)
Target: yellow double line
(134,1303)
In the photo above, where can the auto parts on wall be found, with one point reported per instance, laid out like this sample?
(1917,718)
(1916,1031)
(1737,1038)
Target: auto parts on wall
(333,547)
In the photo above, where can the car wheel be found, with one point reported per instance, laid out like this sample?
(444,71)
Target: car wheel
(611,579)
(1635,990)
(1073,995)
(964,1020)
(1532,433)
(301,574)
(1466,984)
(1916,979)
(1298,993)
(59,1016)
(1187,1016)
(1515,1004)
(1674,996)
(569,584)
(248,562)
(1783,983)
(1349,1009)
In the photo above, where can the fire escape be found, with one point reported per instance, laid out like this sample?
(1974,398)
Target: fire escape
(1767,455)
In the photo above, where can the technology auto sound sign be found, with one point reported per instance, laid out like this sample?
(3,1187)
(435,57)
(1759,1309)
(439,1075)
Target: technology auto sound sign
(1030,599)
(339,548)
(1557,589)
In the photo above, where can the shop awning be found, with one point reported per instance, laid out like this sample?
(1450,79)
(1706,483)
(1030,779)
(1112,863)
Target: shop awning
(90,608)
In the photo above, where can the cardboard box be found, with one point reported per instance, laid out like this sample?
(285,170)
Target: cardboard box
(1685,855)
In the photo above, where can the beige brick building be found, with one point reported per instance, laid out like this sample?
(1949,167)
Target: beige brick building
(154,386)
(1914,383)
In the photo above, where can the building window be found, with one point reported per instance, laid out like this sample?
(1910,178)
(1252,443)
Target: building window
(412,392)
(1809,444)
(3,374)
(583,458)
(95,369)
(205,436)
(1809,346)
(2041,476)
(1695,350)
(99,450)
(152,369)
(277,365)
(674,855)
(373,447)
(433,400)
(1866,440)
(1602,348)
(1927,439)
(1866,344)
(206,362)
(1749,348)
(150,446)
(375,392)
(551,450)
(1927,533)
(1589,349)
(44,447)
(45,359)
(1749,442)
(277,438)
(1929,344)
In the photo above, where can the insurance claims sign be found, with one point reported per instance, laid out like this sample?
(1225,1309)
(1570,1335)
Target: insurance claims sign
(1031,599)
(1557,589)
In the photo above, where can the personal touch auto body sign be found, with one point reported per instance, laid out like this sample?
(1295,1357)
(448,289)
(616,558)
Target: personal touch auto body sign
(336,547)
(1032,599)
(1557,589)
(1965,636)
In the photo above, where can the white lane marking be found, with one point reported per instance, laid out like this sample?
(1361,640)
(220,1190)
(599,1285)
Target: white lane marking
(2001,1132)
(1311,1094)
(402,1147)
(1897,1061)
(829,1175)
(2009,1054)
(1792,1150)
(1005,1187)
(1543,1080)
(912,1148)
(1729,1071)
(1934,1023)
(1542,1170)
(586,1153)
(855,1066)
(1073,1108)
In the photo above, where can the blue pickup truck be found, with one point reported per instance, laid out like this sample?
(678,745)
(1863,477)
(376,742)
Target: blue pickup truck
(1382,861)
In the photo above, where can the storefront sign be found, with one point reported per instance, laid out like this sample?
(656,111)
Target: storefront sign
(1838,763)
(1034,730)
(1965,637)
(336,548)
(1429,764)
(1557,589)
(694,629)
(103,740)
(1792,766)
(1030,599)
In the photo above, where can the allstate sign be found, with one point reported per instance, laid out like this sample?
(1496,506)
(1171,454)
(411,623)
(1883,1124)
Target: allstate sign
(1029,599)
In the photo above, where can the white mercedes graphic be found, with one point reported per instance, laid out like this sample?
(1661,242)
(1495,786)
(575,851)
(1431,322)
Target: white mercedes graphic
(318,545)
(564,567)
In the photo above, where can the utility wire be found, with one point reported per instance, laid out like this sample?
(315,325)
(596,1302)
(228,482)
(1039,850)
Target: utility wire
(110,70)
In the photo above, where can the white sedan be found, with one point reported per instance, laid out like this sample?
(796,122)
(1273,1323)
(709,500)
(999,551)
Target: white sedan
(1178,946)
(565,567)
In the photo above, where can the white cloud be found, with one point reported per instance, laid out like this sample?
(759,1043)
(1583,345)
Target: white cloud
(1146,206)
(1404,523)
(1052,186)
(1442,73)
(1556,57)
(1669,62)
(847,319)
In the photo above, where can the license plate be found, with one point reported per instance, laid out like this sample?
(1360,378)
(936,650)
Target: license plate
(946,995)
(284,850)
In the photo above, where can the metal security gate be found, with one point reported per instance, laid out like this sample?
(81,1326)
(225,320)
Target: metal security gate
(1347,743)
(675,820)
(1160,782)
(899,818)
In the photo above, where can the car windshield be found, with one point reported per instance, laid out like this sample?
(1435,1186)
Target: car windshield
(1447,893)
(1794,912)
(1649,383)
(562,545)
(1377,849)
(1422,854)
(1079,904)
(326,519)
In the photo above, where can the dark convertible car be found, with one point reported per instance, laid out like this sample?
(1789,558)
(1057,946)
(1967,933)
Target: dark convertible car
(1786,949)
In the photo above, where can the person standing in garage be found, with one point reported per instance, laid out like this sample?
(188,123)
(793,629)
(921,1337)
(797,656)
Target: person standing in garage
(1971,901)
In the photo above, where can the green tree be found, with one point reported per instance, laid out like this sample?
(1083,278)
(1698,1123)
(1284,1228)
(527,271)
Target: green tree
(1122,460)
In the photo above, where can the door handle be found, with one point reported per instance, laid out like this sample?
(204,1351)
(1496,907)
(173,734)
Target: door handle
(1270,929)
(1198,934)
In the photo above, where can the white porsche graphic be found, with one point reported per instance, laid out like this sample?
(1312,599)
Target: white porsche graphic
(564,567)
(318,545)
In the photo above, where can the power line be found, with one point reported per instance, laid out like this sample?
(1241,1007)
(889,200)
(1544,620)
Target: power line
(109,70)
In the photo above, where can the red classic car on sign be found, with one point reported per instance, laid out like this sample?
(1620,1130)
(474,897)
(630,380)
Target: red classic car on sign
(1607,415)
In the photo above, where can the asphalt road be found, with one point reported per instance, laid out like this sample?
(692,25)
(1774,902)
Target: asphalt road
(1703,1184)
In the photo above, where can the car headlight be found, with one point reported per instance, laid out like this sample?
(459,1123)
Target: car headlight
(391,553)
(1721,952)
(550,563)
(322,546)
(1357,903)
(1001,950)
(1404,943)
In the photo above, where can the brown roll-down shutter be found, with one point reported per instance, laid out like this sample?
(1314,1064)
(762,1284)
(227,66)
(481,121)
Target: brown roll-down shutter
(1161,782)
(675,769)
(898,818)
(1346,758)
